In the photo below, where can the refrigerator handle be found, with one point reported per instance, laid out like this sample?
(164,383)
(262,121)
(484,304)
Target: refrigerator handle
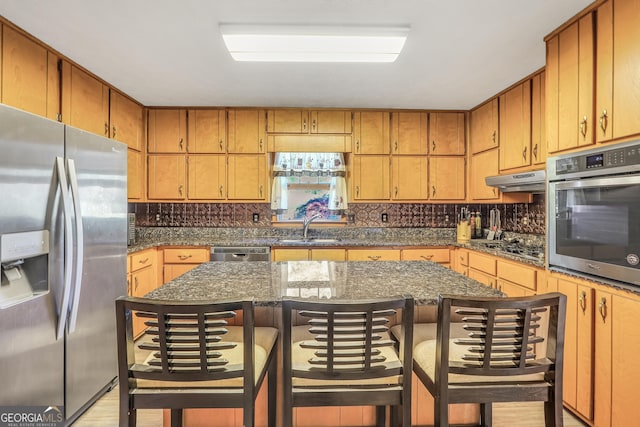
(68,247)
(79,244)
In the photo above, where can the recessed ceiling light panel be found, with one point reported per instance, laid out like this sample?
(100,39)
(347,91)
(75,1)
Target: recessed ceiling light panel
(270,43)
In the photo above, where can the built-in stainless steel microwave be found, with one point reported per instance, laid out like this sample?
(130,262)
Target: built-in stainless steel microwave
(593,204)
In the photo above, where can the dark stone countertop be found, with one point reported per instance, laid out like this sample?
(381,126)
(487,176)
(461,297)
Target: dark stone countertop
(268,282)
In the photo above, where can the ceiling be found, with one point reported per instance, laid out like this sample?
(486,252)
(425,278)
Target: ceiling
(170,53)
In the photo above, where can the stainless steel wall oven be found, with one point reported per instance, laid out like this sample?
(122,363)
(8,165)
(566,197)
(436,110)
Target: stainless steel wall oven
(593,203)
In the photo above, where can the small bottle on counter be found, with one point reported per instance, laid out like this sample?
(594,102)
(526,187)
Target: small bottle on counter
(478,226)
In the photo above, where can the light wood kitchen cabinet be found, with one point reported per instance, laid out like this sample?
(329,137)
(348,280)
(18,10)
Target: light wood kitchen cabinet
(373,255)
(515,127)
(85,101)
(519,274)
(617,344)
(618,61)
(207,177)
(484,127)
(569,86)
(179,260)
(510,289)
(135,175)
(578,347)
(302,121)
(484,278)
(461,261)
(167,177)
(247,177)
(538,122)
(447,178)
(370,177)
(371,132)
(446,134)
(482,165)
(327,254)
(290,254)
(409,133)
(207,131)
(30,76)
(482,262)
(409,178)
(246,131)
(304,254)
(167,131)
(439,255)
(143,266)
(126,118)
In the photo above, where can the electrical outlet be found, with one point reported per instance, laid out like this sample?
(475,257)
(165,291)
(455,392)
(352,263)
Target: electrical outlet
(256,217)
(351,218)
(385,217)
(157,217)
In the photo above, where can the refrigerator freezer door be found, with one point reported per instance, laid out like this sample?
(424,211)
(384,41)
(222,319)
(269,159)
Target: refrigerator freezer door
(31,358)
(101,170)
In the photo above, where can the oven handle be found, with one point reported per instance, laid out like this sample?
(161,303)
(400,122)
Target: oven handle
(595,182)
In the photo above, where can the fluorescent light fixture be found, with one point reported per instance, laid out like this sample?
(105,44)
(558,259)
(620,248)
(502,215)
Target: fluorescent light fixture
(295,43)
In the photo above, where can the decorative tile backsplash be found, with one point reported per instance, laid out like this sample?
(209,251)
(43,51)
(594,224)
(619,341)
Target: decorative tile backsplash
(527,218)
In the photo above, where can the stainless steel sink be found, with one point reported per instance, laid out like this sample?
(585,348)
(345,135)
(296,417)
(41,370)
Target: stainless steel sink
(316,240)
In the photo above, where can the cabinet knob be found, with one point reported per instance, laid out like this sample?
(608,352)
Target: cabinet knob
(135,283)
(535,151)
(395,191)
(433,146)
(433,191)
(221,188)
(395,146)
(524,154)
(221,145)
(106,128)
(493,136)
(582,300)
(604,121)
(114,131)
(183,257)
(260,144)
(357,191)
(427,257)
(313,124)
(583,127)
(357,145)
(143,261)
(181,144)
(261,191)
(602,308)
(304,124)
(180,189)
(374,257)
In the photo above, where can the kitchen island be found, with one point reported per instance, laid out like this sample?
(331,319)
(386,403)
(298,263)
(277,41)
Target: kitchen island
(269,282)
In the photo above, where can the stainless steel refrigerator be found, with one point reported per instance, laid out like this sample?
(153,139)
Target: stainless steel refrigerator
(63,209)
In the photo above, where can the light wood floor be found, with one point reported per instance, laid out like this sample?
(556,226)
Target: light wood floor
(104,413)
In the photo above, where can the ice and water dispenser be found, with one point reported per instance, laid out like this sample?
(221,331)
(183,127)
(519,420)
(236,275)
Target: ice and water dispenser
(24,260)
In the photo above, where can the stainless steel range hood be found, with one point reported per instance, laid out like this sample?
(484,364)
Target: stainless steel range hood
(524,182)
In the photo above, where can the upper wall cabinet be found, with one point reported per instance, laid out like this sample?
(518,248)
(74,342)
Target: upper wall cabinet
(30,75)
(484,127)
(305,121)
(618,79)
(371,132)
(446,134)
(247,131)
(409,133)
(538,122)
(207,131)
(515,127)
(569,86)
(85,101)
(167,131)
(126,118)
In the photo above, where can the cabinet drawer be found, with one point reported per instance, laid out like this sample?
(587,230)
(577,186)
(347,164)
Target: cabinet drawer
(328,255)
(186,255)
(485,263)
(373,255)
(513,290)
(482,278)
(143,259)
(517,273)
(440,255)
(290,254)
(462,257)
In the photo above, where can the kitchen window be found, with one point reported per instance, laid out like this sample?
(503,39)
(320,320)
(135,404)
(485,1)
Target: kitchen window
(308,183)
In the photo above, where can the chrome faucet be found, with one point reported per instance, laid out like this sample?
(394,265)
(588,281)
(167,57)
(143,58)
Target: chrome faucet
(306,222)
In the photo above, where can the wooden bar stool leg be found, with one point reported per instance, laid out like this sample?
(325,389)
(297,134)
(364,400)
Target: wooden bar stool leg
(176,417)
(381,415)
(486,414)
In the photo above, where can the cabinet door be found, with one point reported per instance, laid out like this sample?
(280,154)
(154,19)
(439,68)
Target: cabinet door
(207,130)
(142,282)
(446,178)
(482,262)
(626,57)
(578,347)
(439,255)
(446,134)
(515,127)
(207,176)
(409,133)
(330,121)
(290,255)
(334,254)
(538,129)
(373,255)
(517,273)
(246,131)
(85,101)
(171,271)
(371,132)
(370,178)
(288,121)
(604,72)
(485,279)
(625,376)
(484,127)
(603,371)
(135,175)
(167,177)
(25,72)
(167,131)
(126,121)
(191,255)
(512,290)
(247,177)
(483,165)
(409,178)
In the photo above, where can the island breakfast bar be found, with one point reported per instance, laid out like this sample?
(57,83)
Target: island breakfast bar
(269,282)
